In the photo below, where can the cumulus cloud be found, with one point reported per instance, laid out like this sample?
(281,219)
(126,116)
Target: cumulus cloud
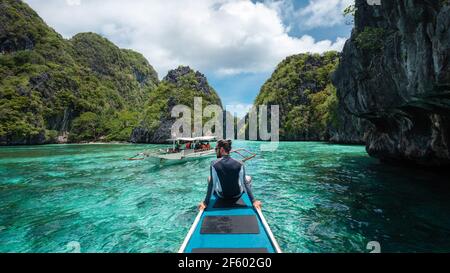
(225,37)
(323,13)
(73,2)
(238,109)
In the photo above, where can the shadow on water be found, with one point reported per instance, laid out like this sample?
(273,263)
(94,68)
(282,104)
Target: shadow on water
(413,207)
(404,209)
(334,198)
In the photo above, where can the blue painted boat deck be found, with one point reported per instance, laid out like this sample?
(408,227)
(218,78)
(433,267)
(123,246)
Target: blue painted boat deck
(230,241)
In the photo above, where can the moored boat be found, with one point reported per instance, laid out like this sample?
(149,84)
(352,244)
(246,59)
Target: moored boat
(183,149)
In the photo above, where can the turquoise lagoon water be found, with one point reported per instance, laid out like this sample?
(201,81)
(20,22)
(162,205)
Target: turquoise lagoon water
(317,198)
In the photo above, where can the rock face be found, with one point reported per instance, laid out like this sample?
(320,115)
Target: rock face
(301,86)
(179,87)
(200,83)
(48,83)
(128,71)
(13,39)
(395,74)
(349,129)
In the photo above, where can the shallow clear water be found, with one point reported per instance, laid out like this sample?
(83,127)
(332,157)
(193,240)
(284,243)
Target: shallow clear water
(317,198)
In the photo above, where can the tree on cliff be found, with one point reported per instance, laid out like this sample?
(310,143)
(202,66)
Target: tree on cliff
(301,85)
(47,82)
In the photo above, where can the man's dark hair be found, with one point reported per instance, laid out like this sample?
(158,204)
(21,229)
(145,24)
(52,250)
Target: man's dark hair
(225,144)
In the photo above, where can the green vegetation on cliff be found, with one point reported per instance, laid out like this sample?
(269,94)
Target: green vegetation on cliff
(371,39)
(301,85)
(179,87)
(50,86)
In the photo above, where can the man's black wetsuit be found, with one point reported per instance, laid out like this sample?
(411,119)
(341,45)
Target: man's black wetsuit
(228,180)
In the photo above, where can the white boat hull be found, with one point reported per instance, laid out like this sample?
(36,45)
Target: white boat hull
(182,156)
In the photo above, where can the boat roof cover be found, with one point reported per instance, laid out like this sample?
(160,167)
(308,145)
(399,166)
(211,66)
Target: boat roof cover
(193,139)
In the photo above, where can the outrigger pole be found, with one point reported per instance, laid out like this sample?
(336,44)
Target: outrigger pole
(135,158)
(245,158)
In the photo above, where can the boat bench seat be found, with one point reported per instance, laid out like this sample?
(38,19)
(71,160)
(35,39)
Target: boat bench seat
(230,250)
(236,224)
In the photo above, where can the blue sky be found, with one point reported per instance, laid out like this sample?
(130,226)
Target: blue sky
(243,88)
(235,43)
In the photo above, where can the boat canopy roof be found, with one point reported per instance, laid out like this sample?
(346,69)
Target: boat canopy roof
(195,139)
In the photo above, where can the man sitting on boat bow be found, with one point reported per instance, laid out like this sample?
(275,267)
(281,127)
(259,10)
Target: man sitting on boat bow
(228,179)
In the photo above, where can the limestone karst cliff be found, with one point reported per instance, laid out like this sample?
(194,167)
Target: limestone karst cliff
(395,74)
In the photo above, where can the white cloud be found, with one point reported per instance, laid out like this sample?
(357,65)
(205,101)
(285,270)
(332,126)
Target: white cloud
(73,2)
(238,109)
(220,36)
(323,13)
